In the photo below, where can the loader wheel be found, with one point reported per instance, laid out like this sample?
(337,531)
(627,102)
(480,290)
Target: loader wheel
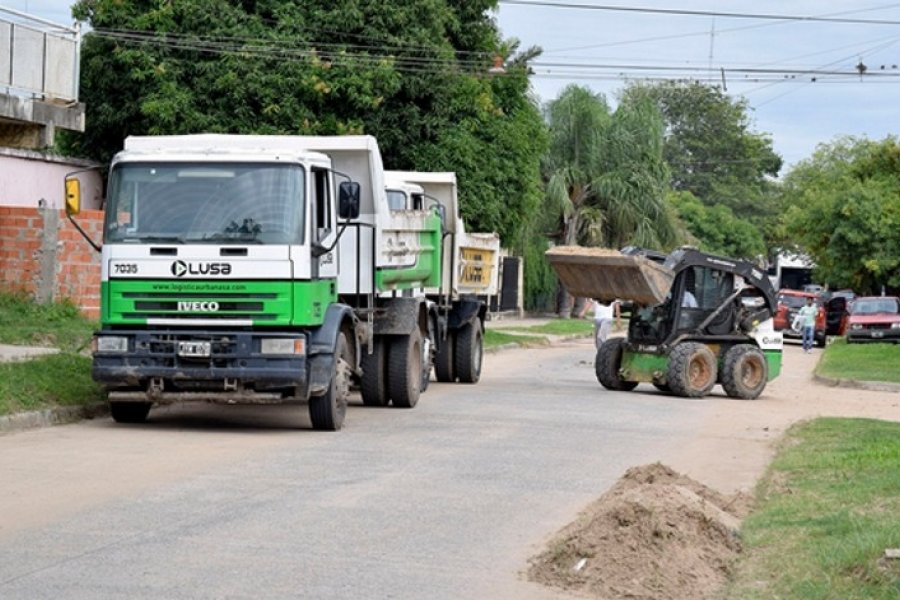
(405,369)
(692,370)
(607,364)
(326,412)
(468,353)
(129,412)
(443,360)
(744,372)
(373,383)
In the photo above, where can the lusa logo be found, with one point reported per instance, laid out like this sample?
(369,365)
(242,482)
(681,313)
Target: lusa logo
(181,268)
(198,306)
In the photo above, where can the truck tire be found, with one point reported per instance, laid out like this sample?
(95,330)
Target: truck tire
(405,370)
(373,383)
(468,352)
(607,364)
(443,360)
(692,370)
(129,412)
(744,372)
(326,412)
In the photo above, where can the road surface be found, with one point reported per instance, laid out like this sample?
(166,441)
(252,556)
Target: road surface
(447,500)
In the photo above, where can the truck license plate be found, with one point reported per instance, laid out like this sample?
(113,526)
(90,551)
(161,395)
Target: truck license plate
(194,349)
(877,334)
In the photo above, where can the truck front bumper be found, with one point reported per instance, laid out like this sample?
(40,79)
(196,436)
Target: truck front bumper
(178,365)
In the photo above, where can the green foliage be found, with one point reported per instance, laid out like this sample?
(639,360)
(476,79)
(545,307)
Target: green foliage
(54,380)
(710,148)
(716,228)
(540,280)
(845,212)
(860,362)
(413,74)
(827,510)
(494,338)
(59,324)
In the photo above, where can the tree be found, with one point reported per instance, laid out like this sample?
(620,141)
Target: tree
(716,228)
(845,212)
(413,74)
(606,179)
(710,148)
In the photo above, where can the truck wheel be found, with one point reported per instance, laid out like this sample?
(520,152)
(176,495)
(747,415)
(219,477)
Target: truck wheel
(328,410)
(129,412)
(373,383)
(405,369)
(443,360)
(744,372)
(468,353)
(692,370)
(607,364)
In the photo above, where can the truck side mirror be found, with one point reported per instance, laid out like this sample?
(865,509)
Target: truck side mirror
(73,196)
(348,200)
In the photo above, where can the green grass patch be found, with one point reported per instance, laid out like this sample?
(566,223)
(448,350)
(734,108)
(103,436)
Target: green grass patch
(54,380)
(559,327)
(494,338)
(58,324)
(862,362)
(827,509)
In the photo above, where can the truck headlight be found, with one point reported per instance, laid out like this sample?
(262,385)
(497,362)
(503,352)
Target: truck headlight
(856,326)
(111,344)
(282,346)
(895,325)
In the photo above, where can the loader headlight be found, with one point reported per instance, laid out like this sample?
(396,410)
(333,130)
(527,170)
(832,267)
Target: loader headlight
(110,344)
(283,346)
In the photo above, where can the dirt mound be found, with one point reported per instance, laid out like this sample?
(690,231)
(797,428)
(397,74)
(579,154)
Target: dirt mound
(655,534)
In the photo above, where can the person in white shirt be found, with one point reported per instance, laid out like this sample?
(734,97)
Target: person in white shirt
(603,319)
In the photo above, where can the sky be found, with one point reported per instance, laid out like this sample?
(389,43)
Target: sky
(797,112)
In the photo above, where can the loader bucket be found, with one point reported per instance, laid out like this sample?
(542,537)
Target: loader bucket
(609,275)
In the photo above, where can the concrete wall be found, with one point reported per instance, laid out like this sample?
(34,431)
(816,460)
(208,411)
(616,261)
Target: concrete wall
(27,177)
(42,254)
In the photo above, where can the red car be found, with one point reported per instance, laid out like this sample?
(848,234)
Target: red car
(789,303)
(874,319)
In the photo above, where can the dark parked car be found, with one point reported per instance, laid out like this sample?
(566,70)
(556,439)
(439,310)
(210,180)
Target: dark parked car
(874,319)
(789,304)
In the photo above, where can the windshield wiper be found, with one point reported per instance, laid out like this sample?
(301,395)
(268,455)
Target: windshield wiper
(238,238)
(171,239)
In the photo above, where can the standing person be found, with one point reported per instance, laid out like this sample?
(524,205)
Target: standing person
(807,317)
(603,319)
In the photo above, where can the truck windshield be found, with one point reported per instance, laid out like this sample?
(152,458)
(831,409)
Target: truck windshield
(210,203)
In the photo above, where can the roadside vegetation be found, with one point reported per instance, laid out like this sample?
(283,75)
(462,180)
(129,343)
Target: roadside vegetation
(860,362)
(536,335)
(494,339)
(827,511)
(62,379)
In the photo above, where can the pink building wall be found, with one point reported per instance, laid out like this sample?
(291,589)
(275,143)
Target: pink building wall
(27,177)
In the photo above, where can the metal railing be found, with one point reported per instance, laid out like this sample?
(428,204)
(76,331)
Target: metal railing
(39,57)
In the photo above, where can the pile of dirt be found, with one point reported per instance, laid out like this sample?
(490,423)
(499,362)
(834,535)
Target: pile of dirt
(655,534)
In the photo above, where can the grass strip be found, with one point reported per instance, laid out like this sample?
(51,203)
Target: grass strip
(861,362)
(58,324)
(559,327)
(494,338)
(827,510)
(53,380)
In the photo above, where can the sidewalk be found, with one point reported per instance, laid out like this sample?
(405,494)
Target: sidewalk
(10,353)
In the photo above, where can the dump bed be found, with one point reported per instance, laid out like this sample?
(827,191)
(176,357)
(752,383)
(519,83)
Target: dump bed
(608,275)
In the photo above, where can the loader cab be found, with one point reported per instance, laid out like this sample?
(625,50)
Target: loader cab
(697,291)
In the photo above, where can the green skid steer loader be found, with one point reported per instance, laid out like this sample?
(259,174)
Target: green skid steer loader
(697,320)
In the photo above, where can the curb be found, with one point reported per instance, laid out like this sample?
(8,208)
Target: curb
(59,415)
(870,386)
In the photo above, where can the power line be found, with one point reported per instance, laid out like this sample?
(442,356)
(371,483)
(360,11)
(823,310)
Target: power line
(701,13)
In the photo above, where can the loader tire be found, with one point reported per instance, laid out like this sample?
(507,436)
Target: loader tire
(607,364)
(129,412)
(744,372)
(405,369)
(373,383)
(468,353)
(692,370)
(443,360)
(327,412)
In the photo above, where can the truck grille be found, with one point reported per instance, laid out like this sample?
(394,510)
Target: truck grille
(187,306)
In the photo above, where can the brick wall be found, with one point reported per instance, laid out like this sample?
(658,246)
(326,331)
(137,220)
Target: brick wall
(44,255)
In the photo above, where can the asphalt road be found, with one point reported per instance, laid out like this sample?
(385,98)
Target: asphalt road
(447,500)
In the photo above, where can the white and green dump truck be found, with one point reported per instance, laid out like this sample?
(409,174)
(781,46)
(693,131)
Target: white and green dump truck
(272,269)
